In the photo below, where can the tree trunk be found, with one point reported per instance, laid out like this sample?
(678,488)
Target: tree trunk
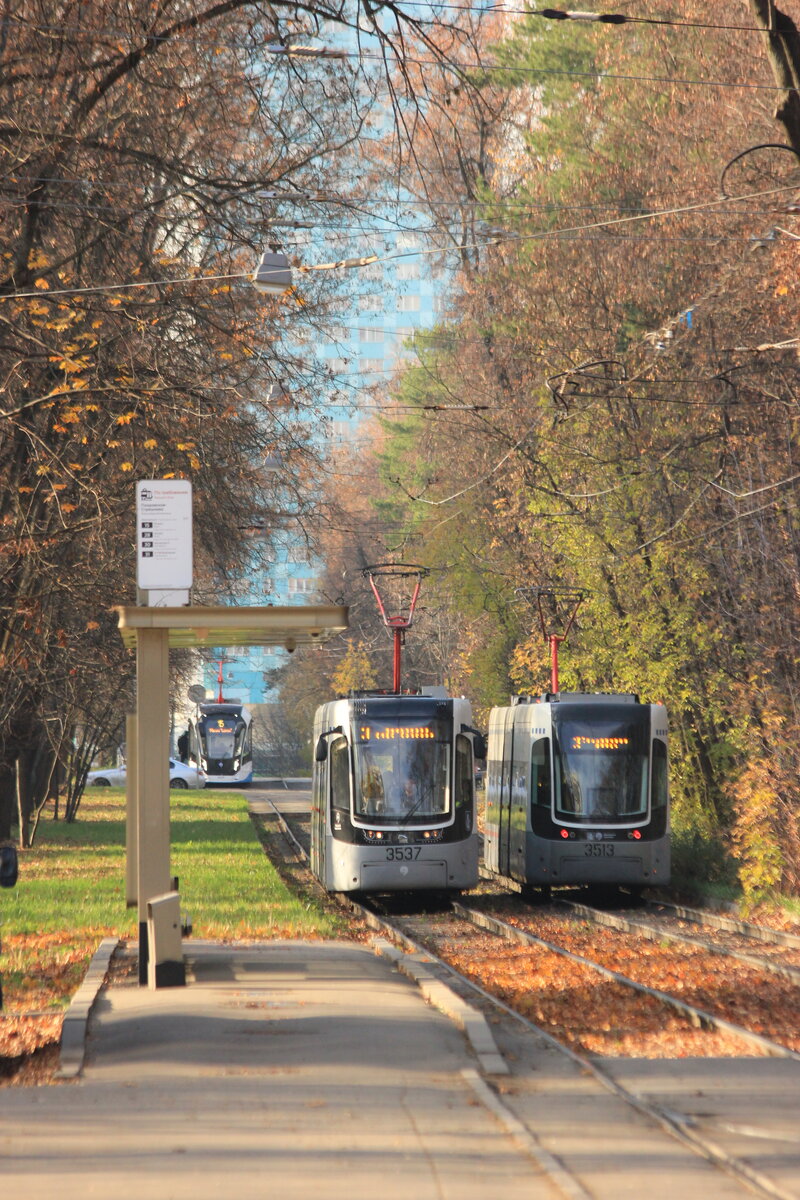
(7,802)
(23,799)
(783,49)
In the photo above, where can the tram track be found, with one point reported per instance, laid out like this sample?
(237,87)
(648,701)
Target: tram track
(734,940)
(678,1125)
(452,944)
(697,1017)
(719,988)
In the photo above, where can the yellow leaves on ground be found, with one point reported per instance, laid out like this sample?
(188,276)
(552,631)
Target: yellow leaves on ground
(54,964)
(23,1035)
(602,1017)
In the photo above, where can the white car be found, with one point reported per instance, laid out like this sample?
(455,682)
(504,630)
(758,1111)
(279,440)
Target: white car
(180,776)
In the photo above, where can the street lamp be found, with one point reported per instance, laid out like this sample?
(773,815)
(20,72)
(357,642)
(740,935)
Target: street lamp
(295,51)
(273,275)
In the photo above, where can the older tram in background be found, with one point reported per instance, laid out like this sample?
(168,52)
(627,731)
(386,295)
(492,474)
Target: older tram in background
(577,791)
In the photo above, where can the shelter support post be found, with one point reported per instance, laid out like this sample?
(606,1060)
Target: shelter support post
(152,630)
(131,813)
(152,775)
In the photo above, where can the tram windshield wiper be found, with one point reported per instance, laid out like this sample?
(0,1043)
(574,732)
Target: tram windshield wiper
(423,796)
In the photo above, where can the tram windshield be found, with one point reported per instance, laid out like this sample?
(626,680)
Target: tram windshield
(402,771)
(601,763)
(222,736)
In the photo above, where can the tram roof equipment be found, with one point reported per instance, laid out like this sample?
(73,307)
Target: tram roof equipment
(393,576)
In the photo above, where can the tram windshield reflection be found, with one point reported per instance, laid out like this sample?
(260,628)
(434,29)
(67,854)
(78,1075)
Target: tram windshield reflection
(402,771)
(601,767)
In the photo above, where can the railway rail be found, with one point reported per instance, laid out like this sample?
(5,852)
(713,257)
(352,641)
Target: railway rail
(518,930)
(472,949)
(776,951)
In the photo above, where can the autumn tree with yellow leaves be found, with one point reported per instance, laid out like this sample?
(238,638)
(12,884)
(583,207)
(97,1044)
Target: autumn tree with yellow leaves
(148,155)
(612,402)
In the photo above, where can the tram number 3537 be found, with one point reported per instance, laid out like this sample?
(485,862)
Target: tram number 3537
(405,853)
(598,850)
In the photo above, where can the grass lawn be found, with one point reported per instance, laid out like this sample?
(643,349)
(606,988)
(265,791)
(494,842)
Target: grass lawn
(71,892)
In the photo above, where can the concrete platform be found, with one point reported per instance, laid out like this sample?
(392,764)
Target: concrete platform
(298,1070)
(284,1070)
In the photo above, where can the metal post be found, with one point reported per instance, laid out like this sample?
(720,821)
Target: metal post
(554,644)
(131,812)
(398,642)
(152,749)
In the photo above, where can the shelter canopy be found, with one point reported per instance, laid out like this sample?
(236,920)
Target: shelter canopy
(269,625)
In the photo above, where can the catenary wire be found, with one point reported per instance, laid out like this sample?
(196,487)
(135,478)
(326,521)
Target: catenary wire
(465,67)
(368,260)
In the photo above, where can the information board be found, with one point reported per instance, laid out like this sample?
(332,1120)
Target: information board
(163,534)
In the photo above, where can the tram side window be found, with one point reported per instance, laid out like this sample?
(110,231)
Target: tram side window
(340,774)
(464,780)
(660,778)
(540,773)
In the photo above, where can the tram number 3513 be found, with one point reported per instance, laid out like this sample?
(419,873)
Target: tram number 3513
(598,850)
(406,853)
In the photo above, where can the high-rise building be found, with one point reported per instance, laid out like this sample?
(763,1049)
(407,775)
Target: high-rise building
(387,302)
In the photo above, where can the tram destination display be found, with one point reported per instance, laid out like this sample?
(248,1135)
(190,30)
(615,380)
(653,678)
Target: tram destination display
(390,733)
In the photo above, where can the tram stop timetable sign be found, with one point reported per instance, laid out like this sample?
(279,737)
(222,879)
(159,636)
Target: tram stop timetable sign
(163,535)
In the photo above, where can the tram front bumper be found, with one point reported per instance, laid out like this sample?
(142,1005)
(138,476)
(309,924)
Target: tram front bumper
(404,876)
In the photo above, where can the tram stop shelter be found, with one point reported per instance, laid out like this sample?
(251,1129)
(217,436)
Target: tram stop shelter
(152,631)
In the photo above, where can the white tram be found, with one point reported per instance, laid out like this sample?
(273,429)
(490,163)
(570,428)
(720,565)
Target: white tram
(221,743)
(393,805)
(577,791)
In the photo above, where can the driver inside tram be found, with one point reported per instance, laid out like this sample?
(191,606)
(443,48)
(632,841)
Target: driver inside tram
(372,791)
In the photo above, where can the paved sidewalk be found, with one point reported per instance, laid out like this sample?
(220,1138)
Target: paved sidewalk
(282,1070)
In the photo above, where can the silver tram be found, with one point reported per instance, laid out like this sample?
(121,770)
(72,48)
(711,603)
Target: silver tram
(221,742)
(393,801)
(577,791)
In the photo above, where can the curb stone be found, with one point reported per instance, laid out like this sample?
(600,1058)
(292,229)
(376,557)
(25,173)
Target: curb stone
(439,995)
(76,1018)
